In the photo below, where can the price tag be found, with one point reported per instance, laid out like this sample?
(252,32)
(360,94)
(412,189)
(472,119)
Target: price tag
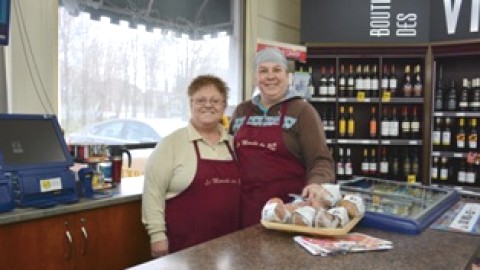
(361,96)
(411,179)
(386,97)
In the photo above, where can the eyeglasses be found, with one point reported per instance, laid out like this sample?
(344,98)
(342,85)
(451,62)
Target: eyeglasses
(203,101)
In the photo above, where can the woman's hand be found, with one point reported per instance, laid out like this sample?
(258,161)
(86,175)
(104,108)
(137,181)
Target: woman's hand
(159,248)
(312,192)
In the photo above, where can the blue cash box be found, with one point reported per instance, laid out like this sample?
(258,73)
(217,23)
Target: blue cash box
(35,161)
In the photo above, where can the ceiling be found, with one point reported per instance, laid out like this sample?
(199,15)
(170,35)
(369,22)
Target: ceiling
(193,17)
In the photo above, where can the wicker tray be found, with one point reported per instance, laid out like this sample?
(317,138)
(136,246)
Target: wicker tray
(311,230)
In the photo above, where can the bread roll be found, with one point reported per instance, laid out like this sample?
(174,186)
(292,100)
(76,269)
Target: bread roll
(303,216)
(274,211)
(354,205)
(328,197)
(324,219)
(341,213)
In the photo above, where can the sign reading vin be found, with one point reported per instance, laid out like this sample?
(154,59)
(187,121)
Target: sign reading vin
(380,17)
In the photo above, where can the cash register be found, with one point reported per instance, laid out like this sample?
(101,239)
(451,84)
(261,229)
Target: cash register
(34,162)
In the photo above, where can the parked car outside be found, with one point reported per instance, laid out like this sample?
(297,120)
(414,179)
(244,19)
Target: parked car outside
(125,131)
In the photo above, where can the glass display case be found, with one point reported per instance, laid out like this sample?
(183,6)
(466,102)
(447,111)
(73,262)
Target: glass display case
(399,206)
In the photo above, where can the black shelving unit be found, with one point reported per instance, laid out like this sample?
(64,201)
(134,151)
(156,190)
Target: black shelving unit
(320,57)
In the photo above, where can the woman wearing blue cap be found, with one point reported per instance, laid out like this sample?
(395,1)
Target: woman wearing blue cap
(279,140)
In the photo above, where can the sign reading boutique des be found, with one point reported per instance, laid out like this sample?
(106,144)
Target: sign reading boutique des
(396,21)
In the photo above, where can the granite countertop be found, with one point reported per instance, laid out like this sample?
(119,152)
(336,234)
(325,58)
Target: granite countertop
(259,248)
(130,189)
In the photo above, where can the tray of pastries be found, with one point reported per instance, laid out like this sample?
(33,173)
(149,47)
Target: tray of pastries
(333,214)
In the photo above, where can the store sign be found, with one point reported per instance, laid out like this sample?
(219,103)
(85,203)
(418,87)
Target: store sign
(396,21)
(454,20)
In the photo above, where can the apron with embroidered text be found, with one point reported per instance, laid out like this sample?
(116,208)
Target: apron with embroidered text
(209,207)
(268,168)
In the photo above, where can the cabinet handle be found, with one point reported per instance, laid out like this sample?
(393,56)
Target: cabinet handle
(70,244)
(85,236)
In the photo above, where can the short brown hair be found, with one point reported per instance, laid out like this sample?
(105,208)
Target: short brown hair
(205,80)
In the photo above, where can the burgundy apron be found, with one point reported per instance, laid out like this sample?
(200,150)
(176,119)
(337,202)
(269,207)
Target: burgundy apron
(208,208)
(268,168)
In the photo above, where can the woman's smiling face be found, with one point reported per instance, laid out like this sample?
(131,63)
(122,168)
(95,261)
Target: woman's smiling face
(272,80)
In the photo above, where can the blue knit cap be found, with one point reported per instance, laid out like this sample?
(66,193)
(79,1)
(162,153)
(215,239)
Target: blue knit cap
(270,54)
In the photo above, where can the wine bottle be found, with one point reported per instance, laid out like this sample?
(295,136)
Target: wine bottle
(475,100)
(323,85)
(385,124)
(311,86)
(342,123)
(348,165)
(415,170)
(331,119)
(460,137)
(407,165)
(342,82)
(394,124)
(384,82)
(395,164)
(415,125)
(384,165)
(374,82)
(471,174)
(350,82)
(359,80)
(350,123)
(447,134)
(372,168)
(417,82)
(366,81)
(340,164)
(365,166)
(473,135)
(444,169)
(392,82)
(437,133)
(434,169)
(439,97)
(407,82)
(405,124)
(462,173)
(373,123)
(452,97)
(463,100)
(331,83)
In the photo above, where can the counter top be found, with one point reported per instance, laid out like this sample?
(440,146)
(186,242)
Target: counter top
(259,248)
(130,189)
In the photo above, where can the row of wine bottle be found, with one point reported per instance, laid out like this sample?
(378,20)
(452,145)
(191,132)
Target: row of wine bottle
(365,81)
(455,171)
(467,98)
(455,135)
(391,126)
(397,165)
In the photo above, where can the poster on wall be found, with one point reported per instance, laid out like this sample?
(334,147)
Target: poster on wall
(454,20)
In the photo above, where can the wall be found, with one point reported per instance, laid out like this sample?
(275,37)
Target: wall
(276,20)
(32,57)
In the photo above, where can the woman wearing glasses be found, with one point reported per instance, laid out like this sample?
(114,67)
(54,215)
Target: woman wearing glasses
(279,141)
(192,182)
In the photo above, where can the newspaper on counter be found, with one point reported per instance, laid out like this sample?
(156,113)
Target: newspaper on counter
(352,242)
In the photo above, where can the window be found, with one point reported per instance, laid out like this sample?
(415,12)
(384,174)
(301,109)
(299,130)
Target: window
(110,71)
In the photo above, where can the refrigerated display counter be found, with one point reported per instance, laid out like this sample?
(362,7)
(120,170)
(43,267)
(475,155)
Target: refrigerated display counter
(400,206)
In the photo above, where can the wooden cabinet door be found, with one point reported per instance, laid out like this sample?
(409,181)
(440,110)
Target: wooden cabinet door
(111,238)
(40,244)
